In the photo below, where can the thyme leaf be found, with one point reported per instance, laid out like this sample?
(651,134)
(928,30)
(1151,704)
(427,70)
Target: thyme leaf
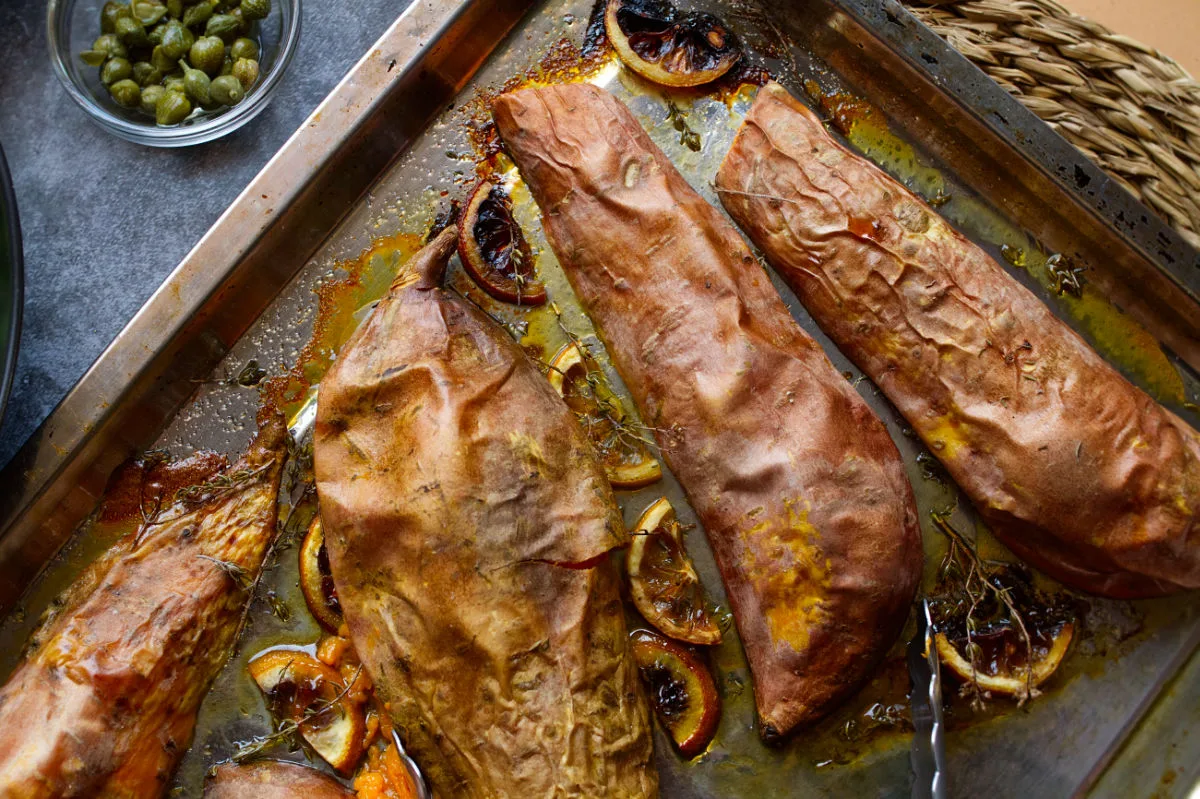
(240,577)
(687,137)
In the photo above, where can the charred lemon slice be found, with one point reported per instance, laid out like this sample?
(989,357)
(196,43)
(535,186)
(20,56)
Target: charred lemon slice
(316,578)
(664,584)
(493,249)
(304,691)
(668,46)
(1001,658)
(681,690)
(627,462)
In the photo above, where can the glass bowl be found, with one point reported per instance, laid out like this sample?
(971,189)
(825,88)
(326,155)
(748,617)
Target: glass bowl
(72,26)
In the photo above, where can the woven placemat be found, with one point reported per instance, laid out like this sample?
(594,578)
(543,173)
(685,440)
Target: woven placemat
(1131,109)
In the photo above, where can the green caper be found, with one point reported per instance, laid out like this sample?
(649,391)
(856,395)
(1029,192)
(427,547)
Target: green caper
(174,83)
(172,108)
(174,9)
(93,58)
(150,96)
(244,48)
(148,12)
(225,26)
(196,85)
(132,32)
(127,93)
(198,14)
(155,34)
(227,90)
(160,60)
(177,40)
(208,54)
(255,9)
(115,69)
(109,15)
(227,67)
(246,71)
(145,73)
(110,45)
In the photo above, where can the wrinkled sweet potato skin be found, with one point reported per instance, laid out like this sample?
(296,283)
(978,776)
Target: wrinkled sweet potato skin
(800,489)
(1075,469)
(105,702)
(272,779)
(468,528)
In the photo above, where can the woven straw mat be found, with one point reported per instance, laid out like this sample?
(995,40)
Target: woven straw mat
(1128,107)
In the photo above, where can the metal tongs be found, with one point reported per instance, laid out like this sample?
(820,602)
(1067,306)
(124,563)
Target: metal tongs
(928,753)
(420,788)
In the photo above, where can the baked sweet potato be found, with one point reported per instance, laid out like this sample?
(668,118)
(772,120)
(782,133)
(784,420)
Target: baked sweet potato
(272,779)
(799,487)
(1075,469)
(105,702)
(469,529)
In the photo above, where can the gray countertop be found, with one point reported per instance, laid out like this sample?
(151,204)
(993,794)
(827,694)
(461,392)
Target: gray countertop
(105,221)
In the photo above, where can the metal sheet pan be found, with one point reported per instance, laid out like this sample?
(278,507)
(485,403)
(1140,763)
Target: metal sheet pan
(371,162)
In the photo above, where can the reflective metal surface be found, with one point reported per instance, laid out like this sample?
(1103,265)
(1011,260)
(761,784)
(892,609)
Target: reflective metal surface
(928,753)
(373,160)
(12,276)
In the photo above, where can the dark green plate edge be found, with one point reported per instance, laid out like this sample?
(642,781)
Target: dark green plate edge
(12,282)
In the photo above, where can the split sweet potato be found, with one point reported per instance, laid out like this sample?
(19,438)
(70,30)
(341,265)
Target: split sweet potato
(469,528)
(800,489)
(105,702)
(1075,469)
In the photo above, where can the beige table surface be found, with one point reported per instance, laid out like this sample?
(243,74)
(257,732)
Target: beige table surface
(1172,26)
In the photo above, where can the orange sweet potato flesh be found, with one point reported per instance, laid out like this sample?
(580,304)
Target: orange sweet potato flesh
(469,530)
(1075,469)
(799,487)
(105,702)
(272,779)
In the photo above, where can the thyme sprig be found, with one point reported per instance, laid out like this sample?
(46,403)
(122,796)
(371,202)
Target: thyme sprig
(688,137)
(965,571)
(609,428)
(221,485)
(190,497)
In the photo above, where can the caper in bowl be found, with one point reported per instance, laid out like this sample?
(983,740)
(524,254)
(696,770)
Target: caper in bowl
(172,72)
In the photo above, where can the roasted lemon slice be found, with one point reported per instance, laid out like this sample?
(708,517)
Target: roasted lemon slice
(1001,662)
(304,691)
(316,579)
(625,458)
(681,690)
(664,584)
(493,249)
(668,46)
